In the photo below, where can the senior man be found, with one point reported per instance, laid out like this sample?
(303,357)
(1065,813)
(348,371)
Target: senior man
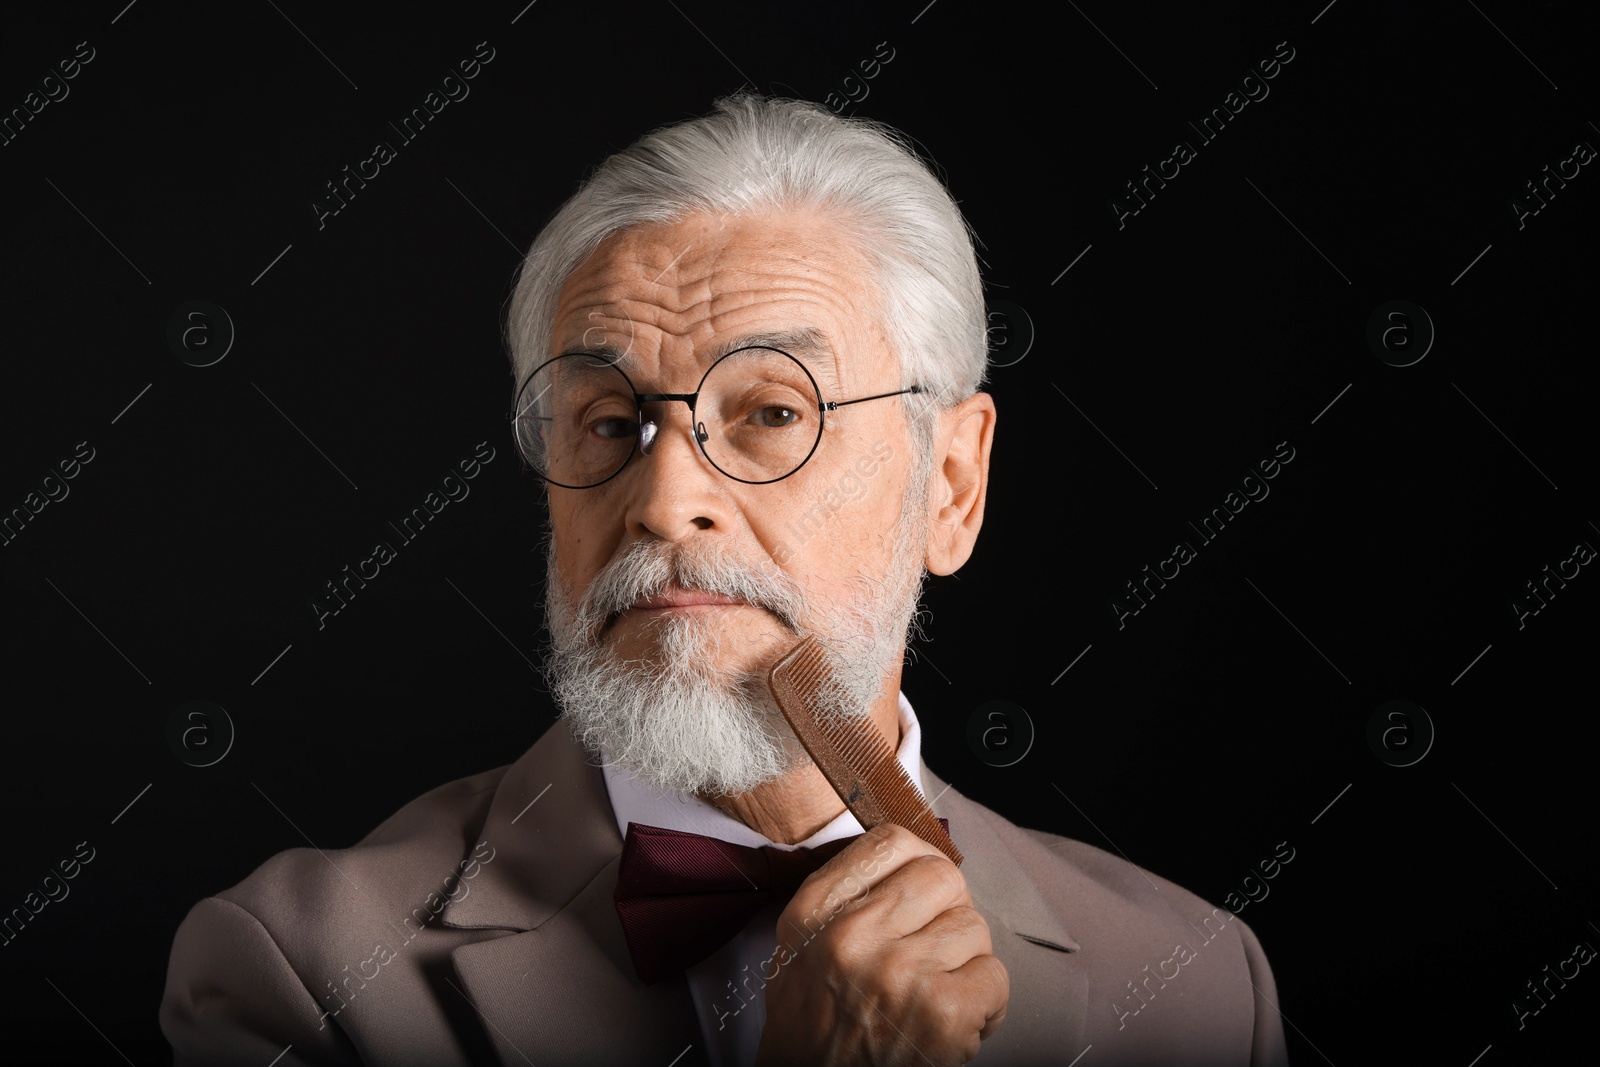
(747,355)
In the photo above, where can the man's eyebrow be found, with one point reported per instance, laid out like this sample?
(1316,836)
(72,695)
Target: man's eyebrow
(807,344)
(810,346)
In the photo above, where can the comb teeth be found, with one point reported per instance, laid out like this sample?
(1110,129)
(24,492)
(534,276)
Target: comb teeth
(853,756)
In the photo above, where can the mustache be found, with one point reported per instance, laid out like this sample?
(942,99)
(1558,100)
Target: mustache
(646,569)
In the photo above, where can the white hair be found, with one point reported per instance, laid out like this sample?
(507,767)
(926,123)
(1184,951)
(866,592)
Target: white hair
(754,154)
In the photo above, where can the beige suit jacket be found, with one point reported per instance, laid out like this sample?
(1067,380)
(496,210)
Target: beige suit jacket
(476,925)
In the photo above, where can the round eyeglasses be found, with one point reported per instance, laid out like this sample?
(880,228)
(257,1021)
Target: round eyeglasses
(757,417)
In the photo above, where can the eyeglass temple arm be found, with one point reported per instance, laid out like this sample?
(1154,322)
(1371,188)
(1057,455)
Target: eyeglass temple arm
(830,405)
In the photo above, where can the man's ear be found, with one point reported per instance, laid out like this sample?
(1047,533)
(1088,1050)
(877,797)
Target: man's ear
(958,482)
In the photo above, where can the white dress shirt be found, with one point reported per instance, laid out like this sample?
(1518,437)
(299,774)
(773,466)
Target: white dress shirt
(727,985)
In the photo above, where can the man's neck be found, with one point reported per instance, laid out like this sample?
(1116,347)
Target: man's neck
(802,802)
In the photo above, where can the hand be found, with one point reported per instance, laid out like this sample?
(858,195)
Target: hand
(882,960)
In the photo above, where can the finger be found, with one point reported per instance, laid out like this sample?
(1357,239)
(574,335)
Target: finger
(985,984)
(949,940)
(924,886)
(859,866)
(957,1010)
(907,900)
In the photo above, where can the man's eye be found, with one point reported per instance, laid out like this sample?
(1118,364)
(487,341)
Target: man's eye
(616,428)
(775,415)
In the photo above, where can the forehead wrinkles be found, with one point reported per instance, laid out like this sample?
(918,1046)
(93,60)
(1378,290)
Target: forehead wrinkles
(701,294)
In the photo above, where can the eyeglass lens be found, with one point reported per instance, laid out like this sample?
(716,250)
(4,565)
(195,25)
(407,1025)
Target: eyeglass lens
(757,418)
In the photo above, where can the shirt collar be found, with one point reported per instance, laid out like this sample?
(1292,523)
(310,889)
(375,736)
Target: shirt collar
(635,801)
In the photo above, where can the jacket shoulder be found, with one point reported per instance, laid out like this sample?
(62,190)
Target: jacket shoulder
(1129,901)
(1129,881)
(1136,934)
(261,964)
(1062,866)
(405,856)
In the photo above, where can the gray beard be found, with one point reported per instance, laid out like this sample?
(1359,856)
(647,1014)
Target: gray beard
(682,722)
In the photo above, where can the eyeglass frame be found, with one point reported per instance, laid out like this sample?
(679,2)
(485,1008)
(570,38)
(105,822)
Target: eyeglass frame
(640,399)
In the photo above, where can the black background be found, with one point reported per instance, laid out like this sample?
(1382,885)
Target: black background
(1178,350)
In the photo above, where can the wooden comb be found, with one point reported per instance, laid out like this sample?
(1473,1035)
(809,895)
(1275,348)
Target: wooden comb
(854,757)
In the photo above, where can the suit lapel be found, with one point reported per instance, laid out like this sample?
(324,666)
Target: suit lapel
(567,993)
(561,989)
(1048,1004)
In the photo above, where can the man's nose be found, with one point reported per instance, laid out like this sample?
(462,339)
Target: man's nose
(675,491)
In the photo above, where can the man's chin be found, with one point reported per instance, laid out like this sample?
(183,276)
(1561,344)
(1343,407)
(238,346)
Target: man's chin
(717,645)
(692,733)
(718,788)
(711,775)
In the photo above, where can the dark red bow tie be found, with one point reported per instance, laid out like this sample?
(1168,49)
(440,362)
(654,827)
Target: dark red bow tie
(682,896)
